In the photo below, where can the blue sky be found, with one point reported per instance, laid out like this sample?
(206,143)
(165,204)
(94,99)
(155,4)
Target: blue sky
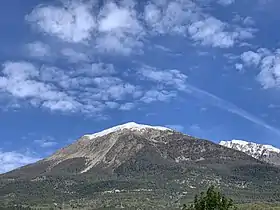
(209,68)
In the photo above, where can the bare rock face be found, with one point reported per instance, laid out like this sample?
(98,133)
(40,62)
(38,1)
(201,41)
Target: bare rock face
(110,148)
(266,153)
(113,147)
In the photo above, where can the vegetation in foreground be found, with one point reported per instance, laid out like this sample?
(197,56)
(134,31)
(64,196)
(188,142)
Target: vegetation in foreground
(212,199)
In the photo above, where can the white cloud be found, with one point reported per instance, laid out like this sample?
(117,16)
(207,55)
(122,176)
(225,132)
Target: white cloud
(120,91)
(249,21)
(251,58)
(226,2)
(115,28)
(168,77)
(82,90)
(45,142)
(239,66)
(98,69)
(158,95)
(72,22)
(127,106)
(171,18)
(117,19)
(62,105)
(211,31)
(120,31)
(112,104)
(13,160)
(38,49)
(74,56)
(21,81)
(118,44)
(121,28)
(19,70)
(269,64)
(269,76)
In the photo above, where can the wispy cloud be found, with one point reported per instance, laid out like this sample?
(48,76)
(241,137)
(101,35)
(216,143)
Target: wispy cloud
(46,142)
(127,106)
(226,2)
(171,77)
(13,160)
(228,106)
(38,49)
(73,56)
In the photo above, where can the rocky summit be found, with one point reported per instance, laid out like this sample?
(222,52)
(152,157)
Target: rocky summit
(266,153)
(135,165)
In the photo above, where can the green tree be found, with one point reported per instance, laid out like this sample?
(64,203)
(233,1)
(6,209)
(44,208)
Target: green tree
(211,200)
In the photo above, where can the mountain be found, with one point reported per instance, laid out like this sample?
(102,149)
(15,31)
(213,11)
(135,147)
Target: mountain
(134,166)
(262,152)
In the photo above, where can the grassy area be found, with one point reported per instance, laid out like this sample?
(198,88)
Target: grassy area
(256,206)
(259,206)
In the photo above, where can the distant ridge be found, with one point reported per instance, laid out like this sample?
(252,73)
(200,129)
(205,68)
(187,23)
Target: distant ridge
(267,153)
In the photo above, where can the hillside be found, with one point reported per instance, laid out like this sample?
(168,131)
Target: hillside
(266,153)
(139,165)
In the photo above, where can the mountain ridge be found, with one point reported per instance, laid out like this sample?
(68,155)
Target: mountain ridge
(163,162)
(128,125)
(263,152)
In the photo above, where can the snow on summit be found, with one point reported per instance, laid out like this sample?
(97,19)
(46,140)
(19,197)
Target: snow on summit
(251,148)
(130,125)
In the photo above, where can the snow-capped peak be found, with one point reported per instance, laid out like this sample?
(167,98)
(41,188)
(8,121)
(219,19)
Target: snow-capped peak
(130,125)
(251,148)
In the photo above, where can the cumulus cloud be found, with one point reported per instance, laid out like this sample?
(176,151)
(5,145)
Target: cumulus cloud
(169,18)
(268,63)
(251,58)
(239,66)
(57,90)
(119,29)
(13,160)
(71,22)
(213,32)
(158,95)
(87,37)
(123,28)
(171,77)
(21,81)
(115,28)
(269,76)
